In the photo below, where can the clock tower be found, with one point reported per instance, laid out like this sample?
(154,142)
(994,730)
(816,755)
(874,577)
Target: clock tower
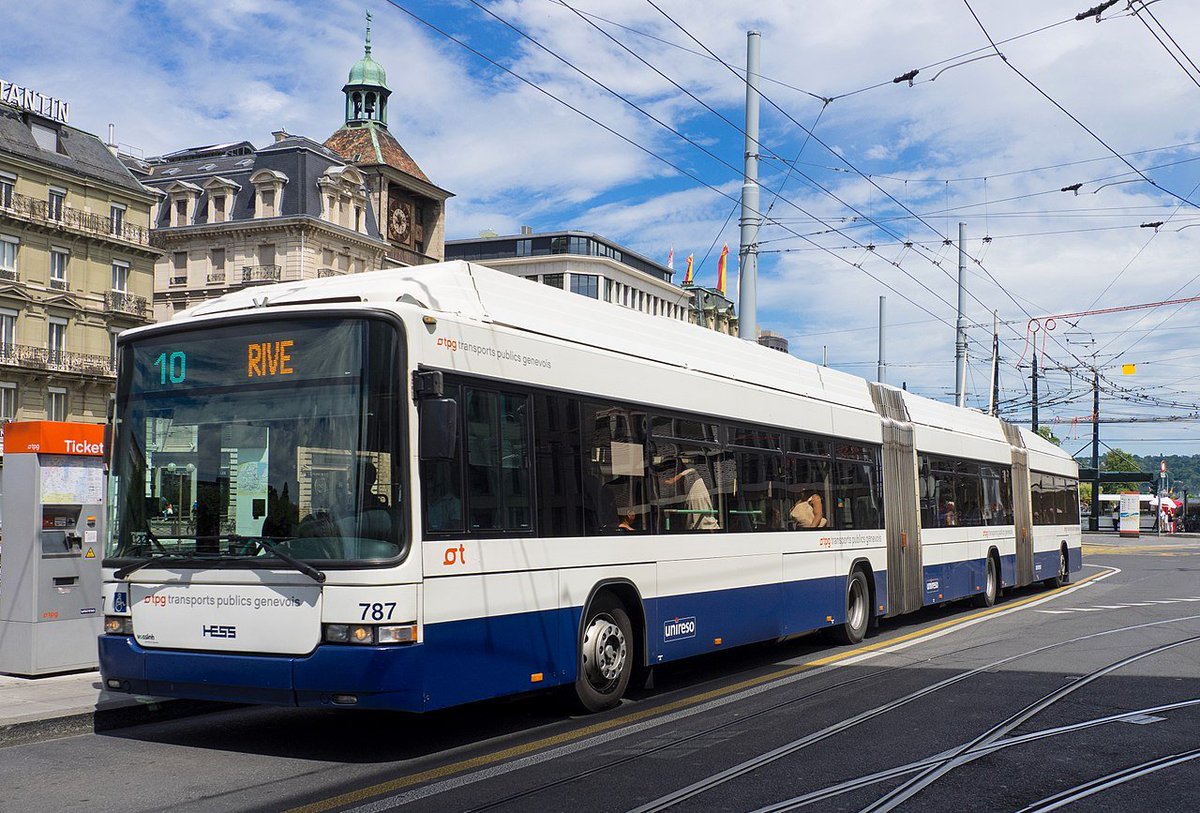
(410,207)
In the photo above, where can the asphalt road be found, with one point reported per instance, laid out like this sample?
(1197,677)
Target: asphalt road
(1085,696)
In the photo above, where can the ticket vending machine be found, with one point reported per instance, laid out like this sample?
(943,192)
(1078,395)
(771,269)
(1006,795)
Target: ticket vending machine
(50,604)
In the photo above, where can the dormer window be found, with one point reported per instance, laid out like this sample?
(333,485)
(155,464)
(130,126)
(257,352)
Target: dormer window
(345,197)
(45,137)
(221,194)
(268,197)
(183,196)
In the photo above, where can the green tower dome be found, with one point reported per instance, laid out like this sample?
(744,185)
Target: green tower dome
(367,71)
(366,89)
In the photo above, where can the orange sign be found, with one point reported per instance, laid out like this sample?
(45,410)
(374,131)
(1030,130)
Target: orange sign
(54,437)
(268,359)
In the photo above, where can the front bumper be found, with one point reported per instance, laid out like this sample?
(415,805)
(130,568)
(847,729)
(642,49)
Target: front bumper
(377,677)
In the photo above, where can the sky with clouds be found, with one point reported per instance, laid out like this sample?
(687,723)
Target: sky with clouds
(624,118)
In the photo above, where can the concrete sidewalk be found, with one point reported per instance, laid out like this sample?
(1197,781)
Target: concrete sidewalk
(66,705)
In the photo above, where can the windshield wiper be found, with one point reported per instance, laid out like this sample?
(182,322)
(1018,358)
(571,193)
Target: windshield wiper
(277,549)
(173,557)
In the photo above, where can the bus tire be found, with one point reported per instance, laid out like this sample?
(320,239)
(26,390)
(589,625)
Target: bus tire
(858,610)
(990,585)
(606,654)
(1063,575)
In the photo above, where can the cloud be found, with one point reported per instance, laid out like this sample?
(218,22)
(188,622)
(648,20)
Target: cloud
(970,140)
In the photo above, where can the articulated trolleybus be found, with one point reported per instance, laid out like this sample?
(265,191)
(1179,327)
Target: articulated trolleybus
(416,488)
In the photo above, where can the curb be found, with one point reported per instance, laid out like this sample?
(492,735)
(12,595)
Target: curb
(101,721)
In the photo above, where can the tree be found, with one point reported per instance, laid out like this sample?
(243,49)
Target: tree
(1119,460)
(1045,432)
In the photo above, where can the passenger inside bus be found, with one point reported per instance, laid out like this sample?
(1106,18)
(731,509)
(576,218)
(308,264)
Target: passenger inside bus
(809,511)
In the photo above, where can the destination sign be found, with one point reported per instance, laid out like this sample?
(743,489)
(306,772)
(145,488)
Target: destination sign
(249,354)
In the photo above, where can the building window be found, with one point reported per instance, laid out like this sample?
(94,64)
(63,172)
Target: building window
(558,245)
(7,182)
(358,218)
(216,259)
(8,334)
(218,208)
(56,404)
(268,202)
(8,257)
(8,401)
(181,211)
(54,204)
(58,268)
(524,248)
(45,137)
(116,218)
(112,350)
(120,276)
(266,255)
(553,280)
(586,284)
(56,341)
(179,264)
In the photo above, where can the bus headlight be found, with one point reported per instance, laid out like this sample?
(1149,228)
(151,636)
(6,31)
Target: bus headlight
(118,625)
(369,634)
(396,634)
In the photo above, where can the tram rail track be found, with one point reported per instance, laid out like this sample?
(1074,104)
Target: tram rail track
(748,766)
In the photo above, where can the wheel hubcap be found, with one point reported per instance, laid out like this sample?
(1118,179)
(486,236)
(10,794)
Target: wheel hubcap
(858,604)
(604,652)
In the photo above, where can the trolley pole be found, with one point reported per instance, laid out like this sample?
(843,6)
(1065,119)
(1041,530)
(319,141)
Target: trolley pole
(751,219)
(1034,404)
(960,342)
(881,373)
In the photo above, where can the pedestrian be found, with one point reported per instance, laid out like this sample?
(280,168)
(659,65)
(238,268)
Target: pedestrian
(1116,517)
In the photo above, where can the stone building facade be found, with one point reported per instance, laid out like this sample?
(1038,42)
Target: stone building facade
(232,215)
(76,267)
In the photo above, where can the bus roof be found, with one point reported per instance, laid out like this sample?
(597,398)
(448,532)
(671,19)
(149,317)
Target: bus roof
(476,293)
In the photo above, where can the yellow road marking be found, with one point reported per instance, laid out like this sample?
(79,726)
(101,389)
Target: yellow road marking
(353,796)
(1179,549)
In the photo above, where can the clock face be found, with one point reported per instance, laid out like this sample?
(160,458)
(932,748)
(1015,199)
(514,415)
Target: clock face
(400,224)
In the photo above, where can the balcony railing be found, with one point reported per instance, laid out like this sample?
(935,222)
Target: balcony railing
(131,304)
(216,277)
(27,357)
(33,210)
(9,275)
(328,272)
(255,274)
(58,284)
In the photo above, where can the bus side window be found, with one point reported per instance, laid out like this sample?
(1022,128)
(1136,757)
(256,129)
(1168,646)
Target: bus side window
(558,466)
(614,470)
(441,487)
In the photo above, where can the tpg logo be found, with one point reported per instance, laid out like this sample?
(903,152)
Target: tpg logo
(215,631)
(679,628)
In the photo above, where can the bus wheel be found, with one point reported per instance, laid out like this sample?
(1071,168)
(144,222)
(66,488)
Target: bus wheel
(1063,576)
(991,587)
(605,654)
(858,610)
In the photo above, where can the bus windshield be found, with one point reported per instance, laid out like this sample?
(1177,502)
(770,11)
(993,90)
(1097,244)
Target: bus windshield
(236,440)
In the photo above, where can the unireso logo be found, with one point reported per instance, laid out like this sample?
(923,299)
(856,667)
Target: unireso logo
(678,628)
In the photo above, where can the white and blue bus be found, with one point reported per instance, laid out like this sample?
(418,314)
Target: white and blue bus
(422,487)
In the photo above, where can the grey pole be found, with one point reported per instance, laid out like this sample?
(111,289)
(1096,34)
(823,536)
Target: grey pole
(881,374)
(751,220)
(994,400)
(960,342)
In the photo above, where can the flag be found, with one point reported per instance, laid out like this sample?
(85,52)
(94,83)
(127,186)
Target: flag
(721,269)
(687,276)
(671,259)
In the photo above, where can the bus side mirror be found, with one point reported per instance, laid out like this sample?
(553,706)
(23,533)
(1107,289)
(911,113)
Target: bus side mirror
(108,431)
(438,429)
